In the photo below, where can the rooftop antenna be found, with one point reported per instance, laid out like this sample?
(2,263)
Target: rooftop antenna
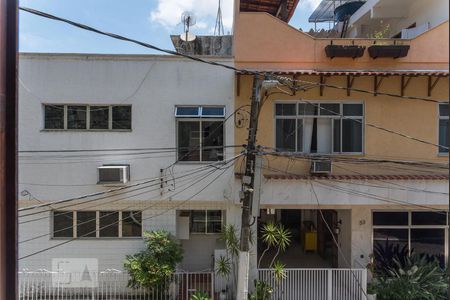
(218,29)
(188,20)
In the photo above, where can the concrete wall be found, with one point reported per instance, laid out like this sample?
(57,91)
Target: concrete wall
(153,85)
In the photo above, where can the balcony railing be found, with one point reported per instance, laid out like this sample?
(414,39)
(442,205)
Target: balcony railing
(320,284)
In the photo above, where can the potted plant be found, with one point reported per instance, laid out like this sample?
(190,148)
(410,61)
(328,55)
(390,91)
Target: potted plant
(383,49)
(352,51)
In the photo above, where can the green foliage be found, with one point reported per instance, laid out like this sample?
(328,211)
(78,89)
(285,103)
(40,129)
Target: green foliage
(154,265)
(229,236)
(274,235)
(199,295)
(223,266)
(415,279)
(385,254)
(383,33)
(278,271)
(263,291)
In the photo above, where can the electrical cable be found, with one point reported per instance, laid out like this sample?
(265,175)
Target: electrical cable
(152,216)
(336,243)
(103,192)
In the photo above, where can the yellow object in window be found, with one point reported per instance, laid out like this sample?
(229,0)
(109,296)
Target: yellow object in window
(311,241)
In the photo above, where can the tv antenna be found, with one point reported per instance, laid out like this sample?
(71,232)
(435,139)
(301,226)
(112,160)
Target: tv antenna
(188,20)
(218,29)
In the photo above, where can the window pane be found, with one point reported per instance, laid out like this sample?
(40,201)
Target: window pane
(76,117)
(307,109)
(285,135)
(109,224)
(430,242)
(189,141)
(351,135)
(330,109)
(187,111)
(429,218)
(443,110)
(86,224)
(121,117)
(285,109)
(300,135)
(212,143)
(353,109)
(131,224)
(198,221)
(99,117)
(337,135)
(214,221)
(385,238)
(390,218)
(62,224)
(54,116)
(443,135)
(213,111)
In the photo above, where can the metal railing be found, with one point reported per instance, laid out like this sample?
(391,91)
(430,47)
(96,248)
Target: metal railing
(111,285)
(317,284)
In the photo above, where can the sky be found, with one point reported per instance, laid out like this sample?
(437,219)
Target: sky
(151,21)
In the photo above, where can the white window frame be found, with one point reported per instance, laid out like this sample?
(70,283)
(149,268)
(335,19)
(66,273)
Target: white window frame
(206,220)
(410,226)
(440,153)
(297,117)
(97,226)
(88,116)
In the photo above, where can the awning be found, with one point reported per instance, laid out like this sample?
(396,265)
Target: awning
(412,73)
(354,177)
(272,7)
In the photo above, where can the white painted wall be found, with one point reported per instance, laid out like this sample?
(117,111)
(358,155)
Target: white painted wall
(153,85)
(400,14)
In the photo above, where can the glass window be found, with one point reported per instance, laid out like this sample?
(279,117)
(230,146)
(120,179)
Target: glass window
(429,218)
(307,109)
(353,109)
(99,117)
(443,110)
(212,143)
(351,135)
(443,127)
(198,221)
(76,117)
(109,224)
(54,116)
(121,117)
(337,135)
(187,111)
(131,224)
(384,238)
(285,134)
(330,109)
(189,141)
(86,224)
(285,109)
(213,111)
(63,224)
(390,218)
(214,219)
(429,242)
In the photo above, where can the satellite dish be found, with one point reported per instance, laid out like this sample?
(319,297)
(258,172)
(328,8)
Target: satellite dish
(187,37)
(188,19)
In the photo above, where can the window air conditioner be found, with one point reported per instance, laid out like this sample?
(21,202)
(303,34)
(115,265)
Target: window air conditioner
(118,174)
(320,167)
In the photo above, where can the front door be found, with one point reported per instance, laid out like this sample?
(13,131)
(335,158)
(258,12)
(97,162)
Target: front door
(326,247)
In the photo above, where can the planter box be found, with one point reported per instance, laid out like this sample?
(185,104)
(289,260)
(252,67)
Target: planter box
(333,51)
(394,51)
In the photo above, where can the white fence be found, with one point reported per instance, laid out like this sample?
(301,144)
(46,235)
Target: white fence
(317,284)
(110,285)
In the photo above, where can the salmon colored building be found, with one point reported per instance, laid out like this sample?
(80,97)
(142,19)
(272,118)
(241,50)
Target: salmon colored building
(357,129)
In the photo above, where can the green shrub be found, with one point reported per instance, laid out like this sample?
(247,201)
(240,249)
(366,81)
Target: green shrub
(199,295)
(153,266)
(263,291)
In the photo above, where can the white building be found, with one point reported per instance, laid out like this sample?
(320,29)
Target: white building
(133,114)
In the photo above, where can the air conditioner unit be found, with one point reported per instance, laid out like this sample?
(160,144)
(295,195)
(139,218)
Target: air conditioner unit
(320,167)
(113,174)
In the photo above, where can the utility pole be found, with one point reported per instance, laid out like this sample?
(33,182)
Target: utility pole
(247,192)
(8,149)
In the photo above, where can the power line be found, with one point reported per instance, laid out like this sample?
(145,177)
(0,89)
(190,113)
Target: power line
(198,59)
(188,183)
(102,192)
(336,243)
(152,216)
